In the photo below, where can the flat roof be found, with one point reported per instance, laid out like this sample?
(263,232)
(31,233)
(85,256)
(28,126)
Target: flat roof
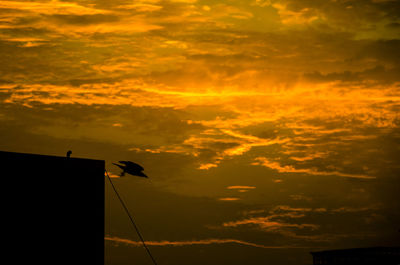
(357,250)
(40,156)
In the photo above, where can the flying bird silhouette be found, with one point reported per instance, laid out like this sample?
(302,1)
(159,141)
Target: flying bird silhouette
(131,168)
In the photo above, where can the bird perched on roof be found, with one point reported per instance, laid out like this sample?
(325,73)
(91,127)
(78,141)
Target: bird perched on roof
(69,153)
(131,168)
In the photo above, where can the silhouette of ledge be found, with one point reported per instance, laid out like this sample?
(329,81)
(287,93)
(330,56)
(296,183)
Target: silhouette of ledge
(53,208)
(358,256)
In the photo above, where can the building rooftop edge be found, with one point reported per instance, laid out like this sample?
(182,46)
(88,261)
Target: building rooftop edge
(355,250)
(52,156)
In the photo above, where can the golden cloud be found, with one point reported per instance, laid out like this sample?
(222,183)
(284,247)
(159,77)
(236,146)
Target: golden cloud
(194,242)
(290,169)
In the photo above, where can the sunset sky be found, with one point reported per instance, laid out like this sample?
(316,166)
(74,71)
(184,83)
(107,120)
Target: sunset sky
(268,128)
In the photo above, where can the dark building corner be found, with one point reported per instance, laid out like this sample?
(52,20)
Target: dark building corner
(358,256)
(54,208)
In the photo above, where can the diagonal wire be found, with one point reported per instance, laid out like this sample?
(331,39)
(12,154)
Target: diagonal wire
(132,221)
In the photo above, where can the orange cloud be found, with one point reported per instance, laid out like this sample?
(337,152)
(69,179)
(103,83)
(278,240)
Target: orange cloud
(302,17)
(208,166)
(290,169)
(240,187)
(52,7)
(267,225)
(229,199)
(112,175)
(193,243)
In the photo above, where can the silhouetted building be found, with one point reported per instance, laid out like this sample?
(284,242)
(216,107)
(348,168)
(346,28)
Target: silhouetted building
(358,256)
(52,209)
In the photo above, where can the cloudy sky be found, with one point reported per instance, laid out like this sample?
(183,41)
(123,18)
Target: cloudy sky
(269,128)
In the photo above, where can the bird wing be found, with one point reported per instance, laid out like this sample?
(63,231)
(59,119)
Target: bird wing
(120,166)
(137,173)
(132,165)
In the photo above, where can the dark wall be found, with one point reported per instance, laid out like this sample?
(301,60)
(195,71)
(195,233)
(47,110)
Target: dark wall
(53,209)
(359,256)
